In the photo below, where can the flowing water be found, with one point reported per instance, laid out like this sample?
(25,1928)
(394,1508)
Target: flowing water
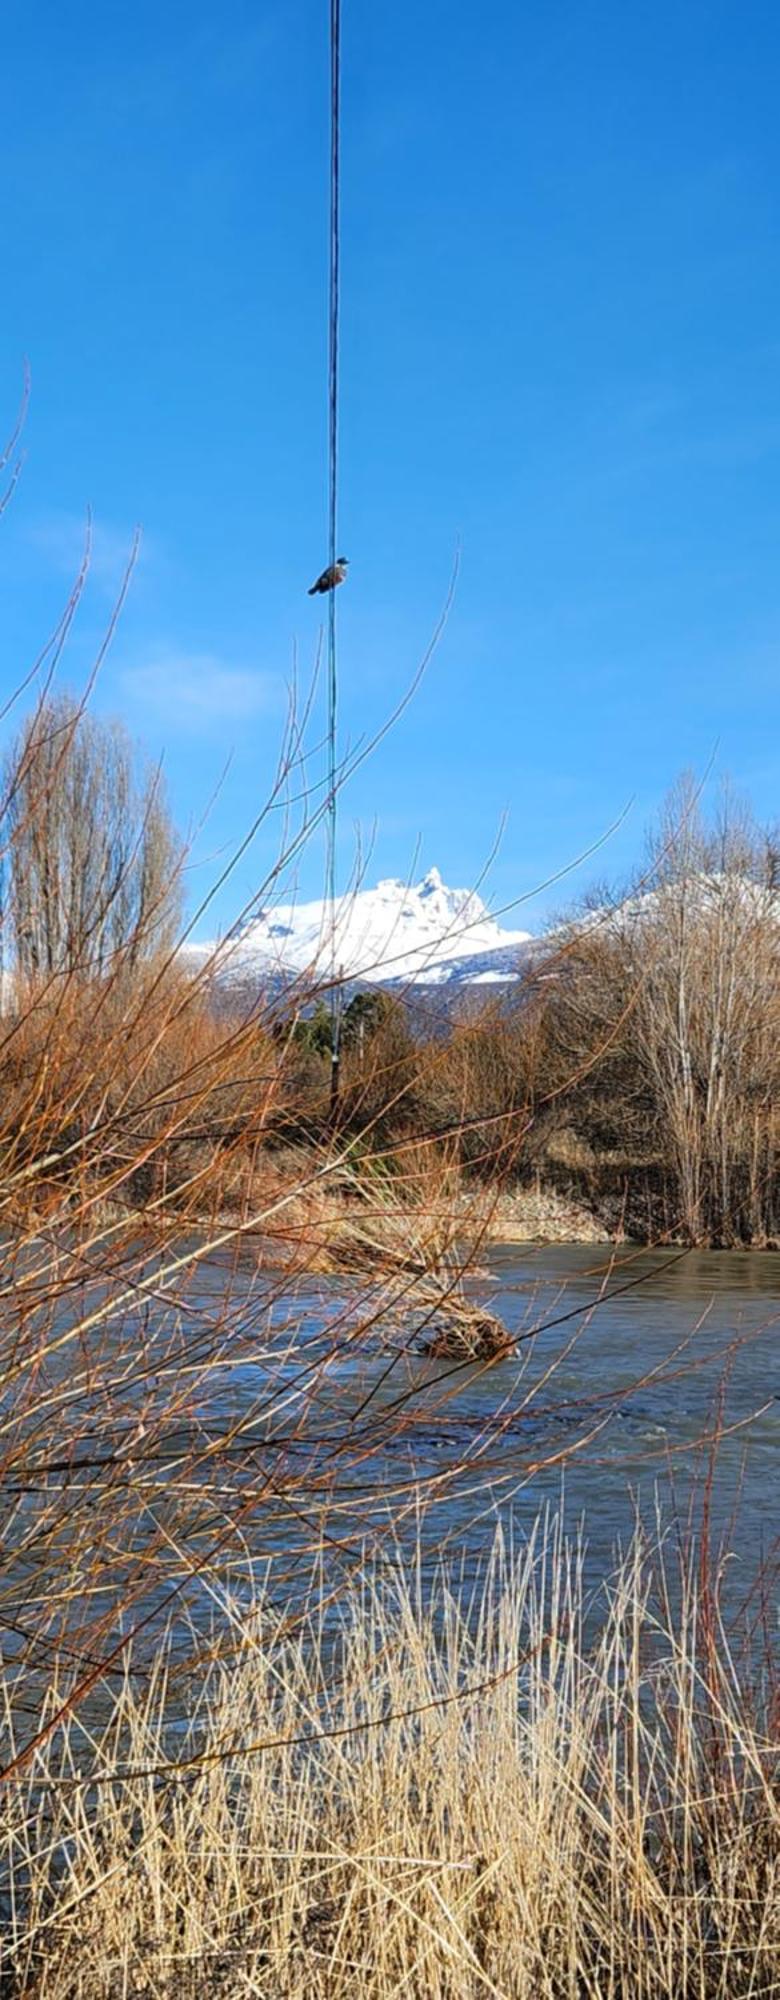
(643,1382)
(639,1381)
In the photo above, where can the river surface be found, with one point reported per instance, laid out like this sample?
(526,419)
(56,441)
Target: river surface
(634,1378)
(640,1383)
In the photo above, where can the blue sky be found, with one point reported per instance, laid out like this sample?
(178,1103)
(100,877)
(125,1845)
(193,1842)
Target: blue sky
(560,349)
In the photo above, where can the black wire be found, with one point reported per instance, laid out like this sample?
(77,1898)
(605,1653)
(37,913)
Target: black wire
(333,440)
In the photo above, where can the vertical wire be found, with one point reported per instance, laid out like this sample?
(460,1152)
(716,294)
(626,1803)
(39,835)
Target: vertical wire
(333,442)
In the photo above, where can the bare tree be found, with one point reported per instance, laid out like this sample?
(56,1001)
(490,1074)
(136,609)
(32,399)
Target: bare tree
(92,863)
(665,1014)
(706,1020)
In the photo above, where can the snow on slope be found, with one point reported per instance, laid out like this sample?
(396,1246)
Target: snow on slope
(700,895)
(423,932)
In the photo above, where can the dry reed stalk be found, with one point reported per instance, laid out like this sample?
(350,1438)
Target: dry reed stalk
(444,1793)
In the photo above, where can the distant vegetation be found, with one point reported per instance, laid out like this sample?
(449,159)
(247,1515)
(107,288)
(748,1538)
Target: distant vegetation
(637,1063)
(635,1066)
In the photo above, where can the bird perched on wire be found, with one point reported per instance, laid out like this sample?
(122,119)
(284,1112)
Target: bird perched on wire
(331,577)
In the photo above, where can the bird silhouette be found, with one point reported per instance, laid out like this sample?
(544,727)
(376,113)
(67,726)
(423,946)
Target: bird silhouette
(331,577)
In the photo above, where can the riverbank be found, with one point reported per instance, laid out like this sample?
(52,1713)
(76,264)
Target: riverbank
(316,1205)
(316,1210)
(542,1214)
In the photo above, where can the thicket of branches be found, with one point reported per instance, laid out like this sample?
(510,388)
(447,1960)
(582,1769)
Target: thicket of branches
(664,1013)
(637,1059)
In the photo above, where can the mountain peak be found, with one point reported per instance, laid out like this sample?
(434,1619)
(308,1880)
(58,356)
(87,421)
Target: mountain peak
(423,932)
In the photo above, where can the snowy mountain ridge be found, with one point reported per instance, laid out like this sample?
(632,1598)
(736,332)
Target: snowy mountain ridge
(424,933)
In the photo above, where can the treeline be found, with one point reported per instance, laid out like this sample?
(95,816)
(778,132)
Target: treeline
(635,1063)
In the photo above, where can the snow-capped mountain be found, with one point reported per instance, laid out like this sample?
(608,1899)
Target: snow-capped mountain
(423,933)
(698,897)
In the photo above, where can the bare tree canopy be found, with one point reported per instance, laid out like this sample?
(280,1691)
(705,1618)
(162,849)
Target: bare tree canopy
(666,1007)
(91,860)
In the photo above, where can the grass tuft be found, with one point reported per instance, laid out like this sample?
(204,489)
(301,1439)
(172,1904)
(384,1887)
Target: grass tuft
(440,1792)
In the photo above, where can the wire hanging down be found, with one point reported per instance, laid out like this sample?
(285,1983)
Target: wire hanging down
(333,443)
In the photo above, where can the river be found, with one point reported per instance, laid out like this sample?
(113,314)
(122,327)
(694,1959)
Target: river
(634,1378)
(282,1439)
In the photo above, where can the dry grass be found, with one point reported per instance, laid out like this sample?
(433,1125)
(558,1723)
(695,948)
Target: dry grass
(442,1793)
(358,1215)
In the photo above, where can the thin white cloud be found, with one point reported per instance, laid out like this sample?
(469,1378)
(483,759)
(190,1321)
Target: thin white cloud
(61,539)
(200,689)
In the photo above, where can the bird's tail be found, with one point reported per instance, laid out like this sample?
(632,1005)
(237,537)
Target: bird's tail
(314,590)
